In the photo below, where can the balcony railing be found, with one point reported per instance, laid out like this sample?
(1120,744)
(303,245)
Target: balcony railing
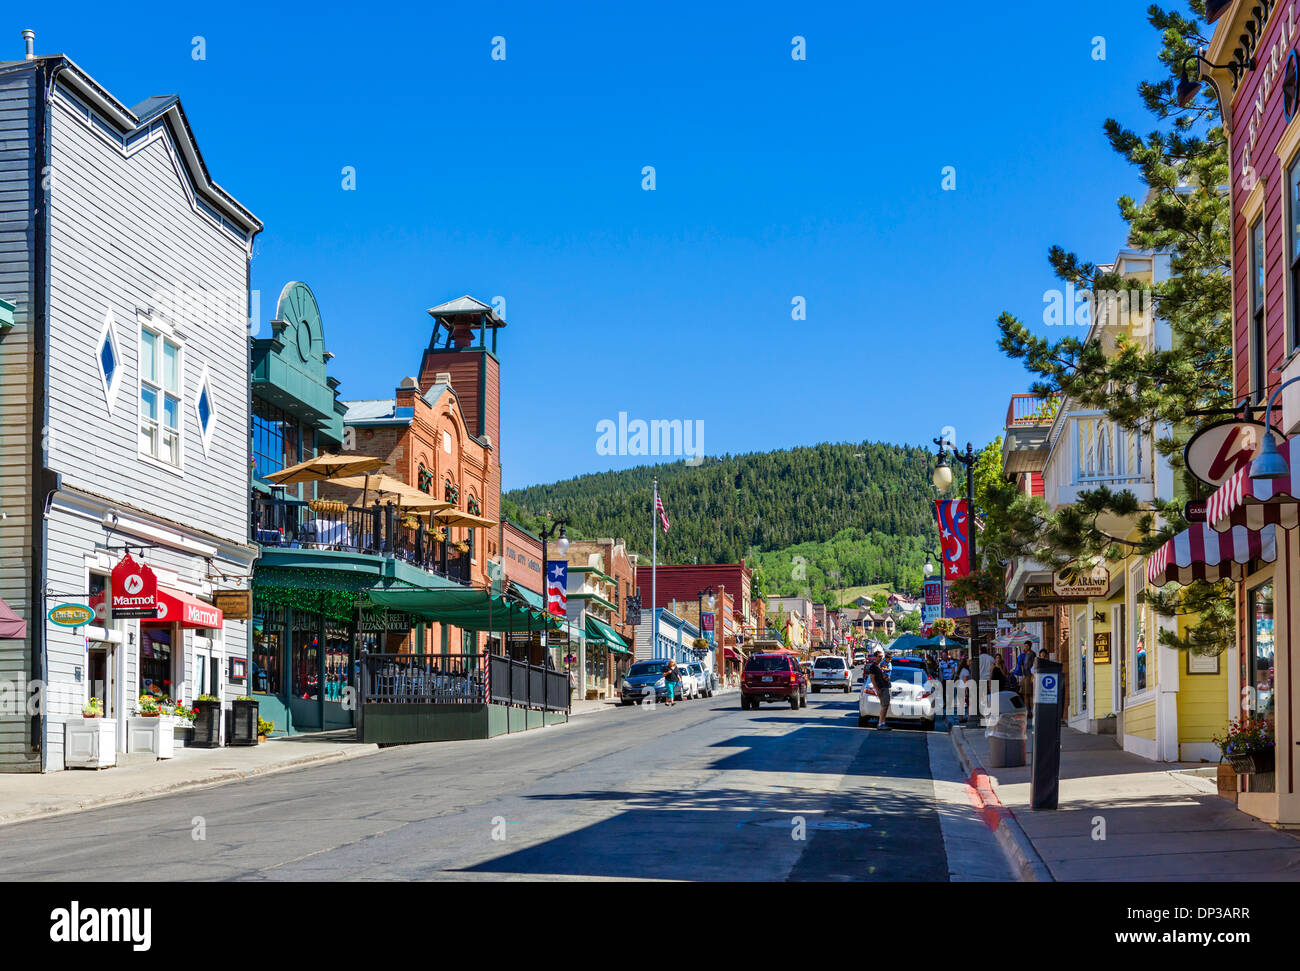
(461,679)
(1031,409)
(279,522)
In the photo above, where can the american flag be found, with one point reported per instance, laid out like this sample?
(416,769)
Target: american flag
(659,508)
(557,587)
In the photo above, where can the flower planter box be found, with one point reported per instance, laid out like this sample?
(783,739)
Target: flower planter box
(90,743)
(244,723)
(1249,764)
(151,733)
(182,732)
(207,725)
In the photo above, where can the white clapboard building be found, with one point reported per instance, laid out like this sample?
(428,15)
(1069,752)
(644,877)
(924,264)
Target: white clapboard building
(124,403)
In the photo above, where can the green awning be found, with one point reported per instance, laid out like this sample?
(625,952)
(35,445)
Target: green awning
(600,631)
(334,593)
(467,608)
(533,600)
(6,313)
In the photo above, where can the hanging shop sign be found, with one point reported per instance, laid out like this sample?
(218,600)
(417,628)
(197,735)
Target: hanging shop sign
(634,611)
(1194,511)
(70,615)
(1216,452)
(380,620)
(1078,583)
(234,604)
(1034,612)
(135,590)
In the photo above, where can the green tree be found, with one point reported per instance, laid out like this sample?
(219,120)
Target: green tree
(1185,212)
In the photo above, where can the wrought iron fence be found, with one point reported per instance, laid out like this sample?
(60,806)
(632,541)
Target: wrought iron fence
(424,678)
(528,685)
(377,530)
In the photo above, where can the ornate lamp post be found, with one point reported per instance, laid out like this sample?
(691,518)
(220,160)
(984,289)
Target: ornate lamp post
(563,546)
(942,479)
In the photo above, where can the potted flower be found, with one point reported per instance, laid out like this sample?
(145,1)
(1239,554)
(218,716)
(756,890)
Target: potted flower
(152,728)
(1249,745)
(944,626)
(245,722)
(460,546)
(264,728)
(207,722)
(90,742)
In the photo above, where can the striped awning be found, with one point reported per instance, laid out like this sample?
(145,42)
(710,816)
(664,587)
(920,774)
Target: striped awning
(1256,503)
(1203,553)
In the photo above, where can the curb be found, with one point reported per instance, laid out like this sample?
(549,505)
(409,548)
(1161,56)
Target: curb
(187,785)
(1025,862)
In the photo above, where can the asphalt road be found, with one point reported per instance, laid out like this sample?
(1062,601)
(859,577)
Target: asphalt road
(702,791)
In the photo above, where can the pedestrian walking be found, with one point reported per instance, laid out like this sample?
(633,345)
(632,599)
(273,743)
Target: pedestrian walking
(963,690)
(986,664)
(880,681)
(672,678)
(1025,674)
(997,676)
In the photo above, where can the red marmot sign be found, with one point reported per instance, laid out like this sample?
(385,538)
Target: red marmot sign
(135,589)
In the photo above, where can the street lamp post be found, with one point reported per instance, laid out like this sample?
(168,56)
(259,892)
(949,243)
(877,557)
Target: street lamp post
(943,482)
(563,546)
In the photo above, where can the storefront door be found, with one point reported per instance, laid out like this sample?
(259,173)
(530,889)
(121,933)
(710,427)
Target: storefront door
(339,704)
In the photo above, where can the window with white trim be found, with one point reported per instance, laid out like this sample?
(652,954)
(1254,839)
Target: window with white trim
(160,397)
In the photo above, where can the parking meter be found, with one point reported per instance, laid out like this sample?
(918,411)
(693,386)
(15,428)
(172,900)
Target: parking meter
(1045,781)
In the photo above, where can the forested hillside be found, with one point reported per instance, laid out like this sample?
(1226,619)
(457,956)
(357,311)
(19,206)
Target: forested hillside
(862,511)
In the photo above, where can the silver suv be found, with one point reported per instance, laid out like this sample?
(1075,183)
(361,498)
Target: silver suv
(704,677)
(831,671)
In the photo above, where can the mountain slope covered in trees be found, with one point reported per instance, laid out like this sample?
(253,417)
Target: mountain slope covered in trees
(829,516)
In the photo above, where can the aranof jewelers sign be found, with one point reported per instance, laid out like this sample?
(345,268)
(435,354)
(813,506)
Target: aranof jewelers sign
(1080,583)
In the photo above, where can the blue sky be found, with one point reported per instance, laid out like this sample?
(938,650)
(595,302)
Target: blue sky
(775,178)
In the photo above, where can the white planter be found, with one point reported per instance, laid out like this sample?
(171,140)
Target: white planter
(90,743)
(156,735)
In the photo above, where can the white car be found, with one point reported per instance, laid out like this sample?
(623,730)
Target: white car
(831,671)
(690,684)
(912,695)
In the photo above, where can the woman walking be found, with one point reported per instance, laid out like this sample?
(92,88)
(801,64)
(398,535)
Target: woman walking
(672,678)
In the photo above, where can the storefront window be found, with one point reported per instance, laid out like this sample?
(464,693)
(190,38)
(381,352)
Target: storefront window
(596,653)
(156,661)
(305,665)
(338,656)
(275,439)
(268,650)
(1259,660)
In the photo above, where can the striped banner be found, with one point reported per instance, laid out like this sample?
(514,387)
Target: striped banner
(1202,553)
(1256,503)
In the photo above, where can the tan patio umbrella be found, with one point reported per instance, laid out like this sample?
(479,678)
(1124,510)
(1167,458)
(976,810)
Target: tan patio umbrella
(325,467)
(406,496)
(454,517)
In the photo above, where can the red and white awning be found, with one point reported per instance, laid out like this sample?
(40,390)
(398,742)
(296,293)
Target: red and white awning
(175,607)
(1256,503)
(1202,553)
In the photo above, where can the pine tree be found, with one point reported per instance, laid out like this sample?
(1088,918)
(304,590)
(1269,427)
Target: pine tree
(1164,393)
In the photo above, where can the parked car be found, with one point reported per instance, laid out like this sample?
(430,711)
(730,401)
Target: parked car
(642,678)
(831,671)
(705,677)
(690,683)
(773,677)
(911,696)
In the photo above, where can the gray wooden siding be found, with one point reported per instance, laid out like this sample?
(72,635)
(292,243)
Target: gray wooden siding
(123,230)
(72,535)
(18,94)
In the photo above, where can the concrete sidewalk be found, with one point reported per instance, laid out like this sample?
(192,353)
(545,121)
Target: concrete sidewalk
(35,795)
(1123,818)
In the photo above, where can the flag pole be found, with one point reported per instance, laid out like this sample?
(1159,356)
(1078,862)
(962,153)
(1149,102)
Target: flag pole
(654,566)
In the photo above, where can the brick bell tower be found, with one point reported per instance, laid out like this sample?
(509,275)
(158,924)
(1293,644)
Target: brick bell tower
(459,348)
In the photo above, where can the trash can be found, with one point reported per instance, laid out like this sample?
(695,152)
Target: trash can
(1006,731)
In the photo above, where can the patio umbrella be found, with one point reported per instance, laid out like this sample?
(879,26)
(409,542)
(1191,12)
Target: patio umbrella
(454,517)
(325,467)
(406,496)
